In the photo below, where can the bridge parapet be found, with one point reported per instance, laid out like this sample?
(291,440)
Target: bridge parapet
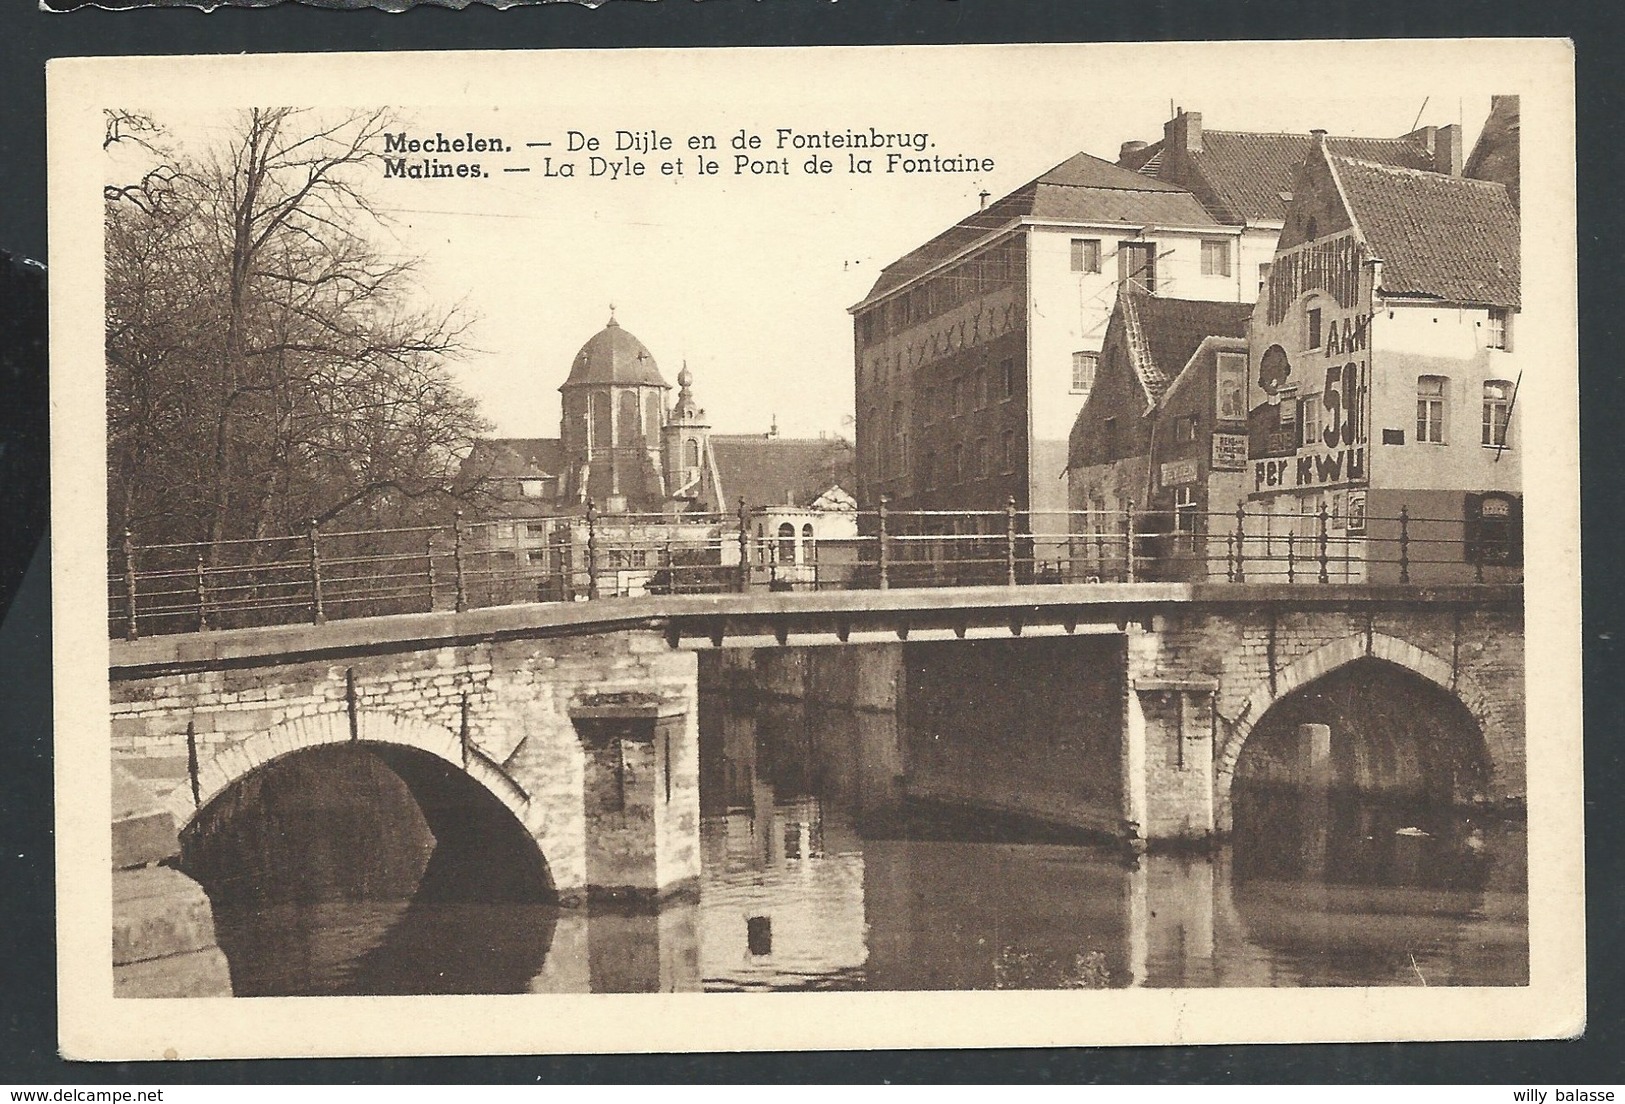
(317,576)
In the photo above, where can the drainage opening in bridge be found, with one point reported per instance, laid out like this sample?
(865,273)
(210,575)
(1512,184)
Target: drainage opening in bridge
(370,868)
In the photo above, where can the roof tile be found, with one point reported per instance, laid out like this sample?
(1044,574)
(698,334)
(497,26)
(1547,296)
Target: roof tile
(1080,189)
(1445,237)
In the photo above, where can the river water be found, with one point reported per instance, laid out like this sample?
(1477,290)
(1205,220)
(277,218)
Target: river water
(816,877)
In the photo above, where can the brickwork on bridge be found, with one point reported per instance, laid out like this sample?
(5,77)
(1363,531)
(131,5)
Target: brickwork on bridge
(523,701)
(1256,657)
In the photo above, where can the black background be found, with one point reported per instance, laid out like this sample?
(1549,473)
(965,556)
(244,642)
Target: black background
(27,946)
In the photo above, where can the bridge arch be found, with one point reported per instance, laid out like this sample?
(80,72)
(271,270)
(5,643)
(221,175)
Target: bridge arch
(1332,657)
(234,763)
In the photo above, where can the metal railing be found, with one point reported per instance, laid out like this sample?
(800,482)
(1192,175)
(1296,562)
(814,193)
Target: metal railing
(321,574)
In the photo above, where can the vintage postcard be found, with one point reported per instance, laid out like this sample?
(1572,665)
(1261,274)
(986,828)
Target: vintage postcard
(656,550)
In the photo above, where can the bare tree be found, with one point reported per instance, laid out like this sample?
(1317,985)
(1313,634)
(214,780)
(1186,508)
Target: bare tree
(267,362)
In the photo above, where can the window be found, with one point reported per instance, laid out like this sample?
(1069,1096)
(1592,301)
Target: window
(691,453)
(1007,369)
(1185,518)
(1110,439)
(1496,338)
(979,458)
(536,529)
(1309,423)
(1009,451)
(1185,428)
(1085,254)
(631,429)
(1137,261)
(1311,229)
(1083,372)
(1216,258)
(928,470)
(1498,395)
(899,460)
(1313,339)
(530,488)
(787,543)
(955,473)
(958,390)
(981,388)
(1430,409)
(536,557)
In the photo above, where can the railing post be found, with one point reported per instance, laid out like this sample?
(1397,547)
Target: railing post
(592,550)
(318,612)
(202,597)
(744,547)
(1404,545)
(1010,540)
(884,555)
(1230,557)
(428,560)
(461,601)
(1324,577)
(130,630)
(1241,543)
(1291,557)
(1128,541)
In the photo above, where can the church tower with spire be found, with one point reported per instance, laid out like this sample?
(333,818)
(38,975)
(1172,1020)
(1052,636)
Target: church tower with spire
(691,474)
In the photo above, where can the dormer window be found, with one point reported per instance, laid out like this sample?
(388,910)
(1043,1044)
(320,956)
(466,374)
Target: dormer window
(532,488)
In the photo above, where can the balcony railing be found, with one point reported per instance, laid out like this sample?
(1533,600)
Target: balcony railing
(319,575)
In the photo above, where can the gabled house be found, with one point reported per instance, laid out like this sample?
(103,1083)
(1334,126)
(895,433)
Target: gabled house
(1160,437)
(1383,374)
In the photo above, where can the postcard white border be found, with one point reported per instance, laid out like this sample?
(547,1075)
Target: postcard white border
(93,1025)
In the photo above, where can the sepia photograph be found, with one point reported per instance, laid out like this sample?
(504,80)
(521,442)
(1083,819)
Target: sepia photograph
(1029,544)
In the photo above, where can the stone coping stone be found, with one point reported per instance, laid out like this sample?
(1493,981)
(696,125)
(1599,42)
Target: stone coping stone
(536,620)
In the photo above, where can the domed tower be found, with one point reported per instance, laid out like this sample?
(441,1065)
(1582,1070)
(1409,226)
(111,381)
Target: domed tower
(611,431)
(688,447)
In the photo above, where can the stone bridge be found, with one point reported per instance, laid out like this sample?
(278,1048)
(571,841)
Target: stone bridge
(577,723)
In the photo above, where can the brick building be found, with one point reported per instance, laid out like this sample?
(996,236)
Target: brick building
(1163,434)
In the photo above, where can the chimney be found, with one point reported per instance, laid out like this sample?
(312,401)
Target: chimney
(1128,149)
(1183,132)
(1447,151)
(1427,137)
(1317,138)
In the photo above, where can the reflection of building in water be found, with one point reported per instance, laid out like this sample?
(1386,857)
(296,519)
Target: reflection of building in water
(799,878)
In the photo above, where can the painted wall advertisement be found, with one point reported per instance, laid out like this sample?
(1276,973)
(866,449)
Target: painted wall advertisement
(1179,473)
(1308,423)
(1229,452)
